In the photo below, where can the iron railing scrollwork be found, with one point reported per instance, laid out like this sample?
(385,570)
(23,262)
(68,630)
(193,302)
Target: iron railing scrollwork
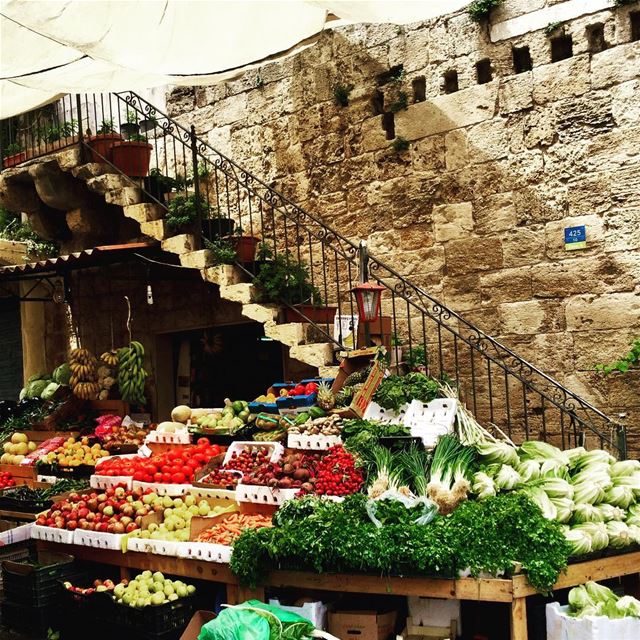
(501,387)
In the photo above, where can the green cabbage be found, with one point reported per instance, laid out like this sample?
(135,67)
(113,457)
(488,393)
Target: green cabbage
(35,388)
(619,534)
(624,468)
(579,598)
(585,512)
(564,508)
(507,478)
(609,512)
(587,493)
(528,470)
(483,486)
(579,542)
(591,457)
(500,452)
(619,496)
(542,451)
(556,487)
(598,533)
(628,606)
(50,391)
(62,374)
(547,507)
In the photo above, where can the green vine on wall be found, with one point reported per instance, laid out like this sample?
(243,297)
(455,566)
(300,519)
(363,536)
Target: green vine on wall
(628,361)
(479,10)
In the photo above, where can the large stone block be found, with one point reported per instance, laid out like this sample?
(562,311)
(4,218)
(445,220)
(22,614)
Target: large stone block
(488,141)
(428,154)
(562,79)
(601,347)
(531,317)
(554,232)
(453,221)
(607,311)
(507,285)
(584,116)
(550,352)
(473,254)
(626,102)
(495,213)
(623,231)
(145,212)
(615,65)
(456,149)
(197,259)
(523,245)
(447,112)
(182,243)
(462,293)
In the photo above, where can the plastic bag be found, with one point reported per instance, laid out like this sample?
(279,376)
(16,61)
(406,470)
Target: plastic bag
(428,513)
(254,620)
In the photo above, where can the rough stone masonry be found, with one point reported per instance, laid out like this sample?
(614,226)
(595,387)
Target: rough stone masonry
(498,164)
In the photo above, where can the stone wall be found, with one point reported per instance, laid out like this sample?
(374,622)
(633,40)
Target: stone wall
(475,209)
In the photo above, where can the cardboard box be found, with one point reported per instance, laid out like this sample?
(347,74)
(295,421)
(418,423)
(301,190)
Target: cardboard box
(352,361)
(362,625)
(200,618)
(362,399)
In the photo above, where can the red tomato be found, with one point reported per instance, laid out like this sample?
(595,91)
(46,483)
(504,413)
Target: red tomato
(178,478)
(193,463)
(199,457)
(204,441)
(157,477)
(148,477)
(186,469)
(165,468)
(166,477)
(139,476)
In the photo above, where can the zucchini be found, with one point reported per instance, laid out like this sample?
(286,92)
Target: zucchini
(317,412)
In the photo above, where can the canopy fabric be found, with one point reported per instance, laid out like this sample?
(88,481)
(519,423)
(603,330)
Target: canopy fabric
(53,47)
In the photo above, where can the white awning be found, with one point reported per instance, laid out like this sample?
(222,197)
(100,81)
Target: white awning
(53,47)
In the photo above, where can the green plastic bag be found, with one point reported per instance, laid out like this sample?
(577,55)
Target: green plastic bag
(255,620)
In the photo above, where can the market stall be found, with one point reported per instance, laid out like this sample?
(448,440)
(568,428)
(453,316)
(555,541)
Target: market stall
(368,483)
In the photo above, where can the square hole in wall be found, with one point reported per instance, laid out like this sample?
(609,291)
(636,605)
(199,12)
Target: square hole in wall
(521,59)
(377,102)
(483,71)
(419,86)
(451,81)
(389,125)
(595,36)
(634,18)
(561,48)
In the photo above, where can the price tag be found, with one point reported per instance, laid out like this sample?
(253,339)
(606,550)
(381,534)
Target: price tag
(144,451)
(49,479)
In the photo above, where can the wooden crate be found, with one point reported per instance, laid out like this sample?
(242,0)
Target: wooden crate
(110,407)
(22,473)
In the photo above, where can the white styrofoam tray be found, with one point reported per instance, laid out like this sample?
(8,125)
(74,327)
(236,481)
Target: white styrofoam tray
(560,626)
(277,450)
(431,420)
(173,490)
(386,416)
(264,495)
(106,482)
(205,551)
(220,494)
(17,534)
(178,437)
(98,539)
(159,547)
(435,612)
(51,534)
(313,443)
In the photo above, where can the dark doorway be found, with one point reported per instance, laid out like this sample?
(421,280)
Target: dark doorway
(11,349)
(233,361)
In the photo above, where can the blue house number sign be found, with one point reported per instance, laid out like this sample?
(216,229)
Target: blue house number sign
(575,238)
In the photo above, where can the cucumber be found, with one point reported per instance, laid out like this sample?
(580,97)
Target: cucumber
(317,412)
(302,418)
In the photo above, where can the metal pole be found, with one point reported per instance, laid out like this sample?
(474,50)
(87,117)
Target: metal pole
(363,277)
(621,435)
(80,131)
(196,186)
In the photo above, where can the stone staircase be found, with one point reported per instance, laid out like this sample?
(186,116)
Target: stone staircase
(301,338)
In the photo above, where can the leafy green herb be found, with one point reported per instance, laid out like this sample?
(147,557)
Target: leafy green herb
(395,391)
(479,10)
(400,144)
(322,536)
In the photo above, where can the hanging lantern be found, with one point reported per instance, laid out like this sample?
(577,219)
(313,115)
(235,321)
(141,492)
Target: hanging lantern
(368,297)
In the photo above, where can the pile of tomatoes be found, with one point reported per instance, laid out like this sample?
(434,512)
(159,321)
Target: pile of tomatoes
(175,466)
(301,390)
(6,480)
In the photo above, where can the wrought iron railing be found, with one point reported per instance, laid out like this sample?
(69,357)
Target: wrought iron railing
(500,387)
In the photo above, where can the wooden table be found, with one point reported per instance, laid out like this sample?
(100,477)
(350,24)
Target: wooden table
(513,591)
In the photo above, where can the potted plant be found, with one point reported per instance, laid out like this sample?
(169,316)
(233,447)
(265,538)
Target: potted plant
(182,214)
(223,250)
(130,127)
(148,123)
(102,142)
(158,185)
(216,226)
(245,247)
(282,278)
(13,155)
(132,156)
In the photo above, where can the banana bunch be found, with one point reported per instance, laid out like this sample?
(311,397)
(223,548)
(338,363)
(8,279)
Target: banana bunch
(84,374)
(110,358)
(131,373)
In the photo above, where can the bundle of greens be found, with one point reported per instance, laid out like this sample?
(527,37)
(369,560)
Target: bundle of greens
(593,599)
(323,536)
(451,468)
(394,391)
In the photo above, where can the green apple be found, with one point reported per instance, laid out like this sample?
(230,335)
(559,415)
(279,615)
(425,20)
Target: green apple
(167,502)
(189,500)
(158,577)
(172,597)
(157,598)
(177,502)
(191,589)
(168,589)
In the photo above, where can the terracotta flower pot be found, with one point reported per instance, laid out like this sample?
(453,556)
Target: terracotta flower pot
(246,248)
(13,160)
(132,157)
(101,144)
(320,315)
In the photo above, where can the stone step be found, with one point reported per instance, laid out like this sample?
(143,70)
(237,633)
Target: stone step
(156,229)
(291,333)
(328,372)
(144,212)
(124,197)
(262,313)
(223,275)
(91,170)
(315,355)
(197,259)
(108,182)
(182,243)
(243,292)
